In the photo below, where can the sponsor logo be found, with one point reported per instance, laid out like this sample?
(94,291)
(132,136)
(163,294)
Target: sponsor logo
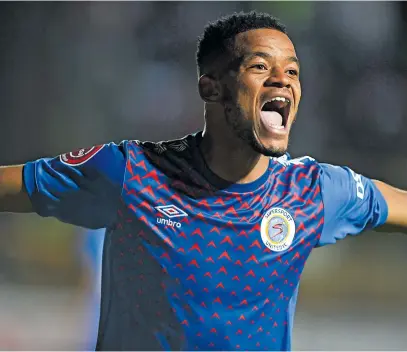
(277,229)
(170,211)
(360,188)
(297,161)
(80,156)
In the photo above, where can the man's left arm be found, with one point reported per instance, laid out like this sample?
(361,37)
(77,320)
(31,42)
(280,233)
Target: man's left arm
(396,200)
(353,203)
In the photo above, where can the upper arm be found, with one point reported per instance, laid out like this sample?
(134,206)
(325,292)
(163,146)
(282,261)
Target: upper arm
(352,203)
(396,200)
(81,188)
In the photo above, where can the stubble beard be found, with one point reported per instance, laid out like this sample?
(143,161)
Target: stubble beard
(244,129)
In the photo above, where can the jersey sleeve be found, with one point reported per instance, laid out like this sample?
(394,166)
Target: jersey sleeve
(82,188)
(352,203)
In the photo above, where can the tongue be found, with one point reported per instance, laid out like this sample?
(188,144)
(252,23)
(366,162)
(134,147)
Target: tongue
(271,119)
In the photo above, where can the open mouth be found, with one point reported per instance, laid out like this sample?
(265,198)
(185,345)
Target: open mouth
(274,112)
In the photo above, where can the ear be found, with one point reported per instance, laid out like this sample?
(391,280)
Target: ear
(209,89)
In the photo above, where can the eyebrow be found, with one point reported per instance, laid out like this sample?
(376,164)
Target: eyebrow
(268,56)
(294,59)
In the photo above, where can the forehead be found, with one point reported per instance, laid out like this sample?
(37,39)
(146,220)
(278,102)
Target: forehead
(264,39)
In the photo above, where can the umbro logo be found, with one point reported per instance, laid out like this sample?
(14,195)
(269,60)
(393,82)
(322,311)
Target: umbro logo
(170,211)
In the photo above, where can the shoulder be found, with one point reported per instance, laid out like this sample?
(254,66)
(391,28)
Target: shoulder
(327,178)
(302,168)
(162,151)
(172,157)
(287,161)
(178,146)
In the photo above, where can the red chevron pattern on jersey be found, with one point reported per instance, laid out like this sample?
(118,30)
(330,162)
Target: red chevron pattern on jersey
(205,279)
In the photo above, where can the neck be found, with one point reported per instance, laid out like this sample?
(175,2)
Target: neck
(228,156)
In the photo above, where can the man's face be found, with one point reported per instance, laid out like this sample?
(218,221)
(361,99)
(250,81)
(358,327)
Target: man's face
(262,89)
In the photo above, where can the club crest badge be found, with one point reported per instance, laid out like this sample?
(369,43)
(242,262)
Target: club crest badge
(80,156)
(277,229)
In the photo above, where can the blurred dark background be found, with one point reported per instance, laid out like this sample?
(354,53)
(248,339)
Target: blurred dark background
(83,73)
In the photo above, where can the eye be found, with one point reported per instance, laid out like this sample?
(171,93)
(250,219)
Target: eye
(261,67)
(293,72)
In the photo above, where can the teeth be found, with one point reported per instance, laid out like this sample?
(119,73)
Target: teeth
(285,100)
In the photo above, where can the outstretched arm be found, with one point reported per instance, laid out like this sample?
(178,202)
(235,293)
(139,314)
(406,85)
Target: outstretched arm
(354,203)
(13,196)
(81,188)
(396,200)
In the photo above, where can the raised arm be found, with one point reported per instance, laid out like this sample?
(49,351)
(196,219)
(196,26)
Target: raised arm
(13,196)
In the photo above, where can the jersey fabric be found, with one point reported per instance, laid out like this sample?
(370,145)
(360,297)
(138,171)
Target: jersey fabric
(91,250)
(192,262)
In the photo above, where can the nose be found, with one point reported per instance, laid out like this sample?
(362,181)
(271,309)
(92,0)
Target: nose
(277,78)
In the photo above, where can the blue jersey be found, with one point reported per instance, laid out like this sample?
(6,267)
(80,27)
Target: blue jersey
(190,261)
(91,249)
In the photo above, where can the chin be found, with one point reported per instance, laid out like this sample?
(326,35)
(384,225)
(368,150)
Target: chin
(274,151)
(246,132)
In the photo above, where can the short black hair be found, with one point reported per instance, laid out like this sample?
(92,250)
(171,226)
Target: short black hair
(213,40)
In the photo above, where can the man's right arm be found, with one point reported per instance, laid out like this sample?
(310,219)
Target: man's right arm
(13,196)
(81,188)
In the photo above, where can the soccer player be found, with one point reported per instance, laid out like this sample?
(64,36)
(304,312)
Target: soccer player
(207,236)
